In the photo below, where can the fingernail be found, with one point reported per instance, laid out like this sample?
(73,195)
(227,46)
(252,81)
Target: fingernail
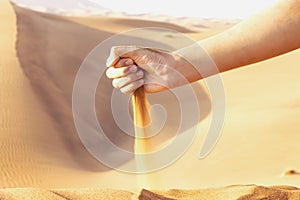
(128,62)
(139,73)
(133,68)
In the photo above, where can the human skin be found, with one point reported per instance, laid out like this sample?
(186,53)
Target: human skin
(269,33)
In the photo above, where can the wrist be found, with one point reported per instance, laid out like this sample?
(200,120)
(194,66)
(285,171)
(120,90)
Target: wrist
(197,61)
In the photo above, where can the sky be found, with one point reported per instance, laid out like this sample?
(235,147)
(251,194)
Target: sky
(230,9)
(189,8)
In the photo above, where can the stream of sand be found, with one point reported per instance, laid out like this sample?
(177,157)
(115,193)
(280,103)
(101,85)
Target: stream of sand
(142,144)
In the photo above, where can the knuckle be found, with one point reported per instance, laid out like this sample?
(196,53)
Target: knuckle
(121,62)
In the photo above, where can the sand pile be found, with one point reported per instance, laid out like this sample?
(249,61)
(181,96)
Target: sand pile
(244,192)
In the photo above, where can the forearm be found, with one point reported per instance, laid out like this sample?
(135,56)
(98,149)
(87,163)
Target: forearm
(272,32)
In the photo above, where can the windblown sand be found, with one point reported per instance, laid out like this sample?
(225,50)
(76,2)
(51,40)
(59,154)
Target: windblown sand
(41,150)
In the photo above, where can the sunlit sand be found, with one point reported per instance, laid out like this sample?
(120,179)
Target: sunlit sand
(42,156)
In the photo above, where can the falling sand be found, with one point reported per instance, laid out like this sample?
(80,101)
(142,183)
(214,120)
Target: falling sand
(142,145)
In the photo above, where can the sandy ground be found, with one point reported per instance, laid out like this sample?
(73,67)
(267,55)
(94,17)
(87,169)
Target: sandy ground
(40,56)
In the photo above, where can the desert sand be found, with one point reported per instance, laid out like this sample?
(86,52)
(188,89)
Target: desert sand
(42,156)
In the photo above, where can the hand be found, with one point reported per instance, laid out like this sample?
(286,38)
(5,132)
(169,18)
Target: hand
(155,69)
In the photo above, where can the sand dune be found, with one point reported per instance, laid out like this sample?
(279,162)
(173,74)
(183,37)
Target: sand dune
(50,66)
(240,192)
(40,56)
(70,194)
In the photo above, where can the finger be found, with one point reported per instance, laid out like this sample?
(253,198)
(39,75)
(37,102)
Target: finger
(112,59)
(122,82)
(130,88)
(117,52)
(123,62)
(113,73)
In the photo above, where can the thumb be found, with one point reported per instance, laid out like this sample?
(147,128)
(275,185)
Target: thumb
(118,52)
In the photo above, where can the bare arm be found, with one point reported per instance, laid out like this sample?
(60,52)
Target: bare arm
(272,32)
